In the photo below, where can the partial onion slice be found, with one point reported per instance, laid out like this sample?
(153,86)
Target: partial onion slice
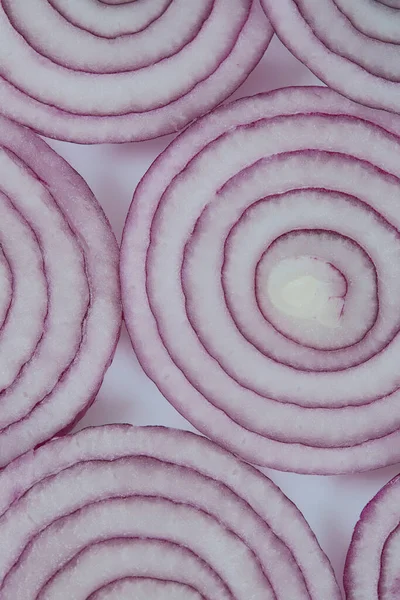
(261,280)
(372,564)
(353,46)
(124,512)
(59,303)
(91,72)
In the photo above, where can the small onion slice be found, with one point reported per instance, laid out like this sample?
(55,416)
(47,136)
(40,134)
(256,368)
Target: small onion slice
(122,512)
(92,72)
(260,270)
(372,564)
(60,307)
(352,46)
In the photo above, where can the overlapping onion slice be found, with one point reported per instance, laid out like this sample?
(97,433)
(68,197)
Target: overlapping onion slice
(123,512)
(261,280)
(59,302)
(90,72)
(353,46)
(372,564)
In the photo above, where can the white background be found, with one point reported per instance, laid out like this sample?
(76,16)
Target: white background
(330,504)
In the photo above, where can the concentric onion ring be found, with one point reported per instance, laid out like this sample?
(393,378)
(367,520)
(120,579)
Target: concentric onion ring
(261,195)
(59,303)
(354,47)
(123,512)
(372,564)
(93,72)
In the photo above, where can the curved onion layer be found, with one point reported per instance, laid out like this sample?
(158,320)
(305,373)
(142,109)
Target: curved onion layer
(261,276)
(372,564)
(59,302)
(353,46)
(124,512)
(93,72)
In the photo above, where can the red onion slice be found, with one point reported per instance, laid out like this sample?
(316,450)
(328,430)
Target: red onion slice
(287,179)
(372,564)
(352,46)
(118,510)
(60,304)
(91,73)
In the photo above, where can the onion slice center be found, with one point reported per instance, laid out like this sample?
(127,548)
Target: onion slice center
(306,287)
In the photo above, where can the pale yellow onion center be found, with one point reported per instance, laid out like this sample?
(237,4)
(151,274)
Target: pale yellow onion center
(308,288)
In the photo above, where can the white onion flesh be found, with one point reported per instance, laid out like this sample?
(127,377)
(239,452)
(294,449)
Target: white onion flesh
(372,564)
(122,512)
(353,47)
(60,304)
(296,173)
(91,72)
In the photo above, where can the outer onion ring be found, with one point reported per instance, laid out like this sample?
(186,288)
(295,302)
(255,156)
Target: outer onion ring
(371,570)
(61,309)
(353,47)
(317,415)
(116,72)
(101,509)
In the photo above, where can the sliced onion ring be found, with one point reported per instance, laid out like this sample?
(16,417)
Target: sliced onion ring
(60,299)
(92,72)
(372,564)
(118,510)
(354,47)
(316,394)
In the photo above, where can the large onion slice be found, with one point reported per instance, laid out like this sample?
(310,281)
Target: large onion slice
(92,72)
(59,302)
(261,280)
(124,512)
(372,564)
(353,46)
